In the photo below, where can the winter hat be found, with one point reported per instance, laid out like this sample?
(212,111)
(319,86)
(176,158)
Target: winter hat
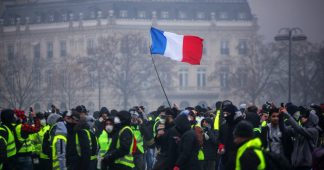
(81,109)
(243,129)
(304,112)
(53,118)
(104,110)
(125,117)
(230,109)
(8,116)
(253,118)
(170,112)
(291,108)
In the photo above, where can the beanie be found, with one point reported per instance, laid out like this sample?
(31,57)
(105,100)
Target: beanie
(8,116)
(243,129)
(291,108)
(53,118)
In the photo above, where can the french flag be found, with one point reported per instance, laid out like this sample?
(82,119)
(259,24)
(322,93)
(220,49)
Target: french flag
(184,48)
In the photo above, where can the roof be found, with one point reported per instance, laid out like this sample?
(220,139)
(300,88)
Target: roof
(66,10)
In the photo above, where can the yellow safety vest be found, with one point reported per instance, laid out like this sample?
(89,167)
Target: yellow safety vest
(26,143)
(93,156)
(55,161)
(127,160)
(104,143)
(253,143)
(40,136)
(11,145)
(2,138)
(216,120)
(201,155)
(138,138)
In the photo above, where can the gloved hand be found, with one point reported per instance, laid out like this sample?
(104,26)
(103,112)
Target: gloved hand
(206,136)
(221,149)
(176,168)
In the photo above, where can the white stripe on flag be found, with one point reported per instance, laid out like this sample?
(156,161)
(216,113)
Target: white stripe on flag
(174,46)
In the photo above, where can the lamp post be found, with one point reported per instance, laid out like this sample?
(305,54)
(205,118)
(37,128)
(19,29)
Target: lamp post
(290,34)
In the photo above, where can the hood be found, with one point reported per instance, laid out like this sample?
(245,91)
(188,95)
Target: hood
(53,118)
(61,128)
(8,116)
(182,123)
(90,121)
(208,120)
(81,125)
(312,120)
(253,118)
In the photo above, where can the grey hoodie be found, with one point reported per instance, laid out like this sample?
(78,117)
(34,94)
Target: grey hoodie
(306,137)
(60,129)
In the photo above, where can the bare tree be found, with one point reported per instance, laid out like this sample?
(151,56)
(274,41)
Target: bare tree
(20,80)
(71,81)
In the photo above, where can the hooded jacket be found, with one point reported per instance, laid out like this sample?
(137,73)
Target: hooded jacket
(210,145)
(226,134)
(188,146)
(306,137)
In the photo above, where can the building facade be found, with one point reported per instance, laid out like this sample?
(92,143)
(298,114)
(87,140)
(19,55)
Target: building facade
(60,29)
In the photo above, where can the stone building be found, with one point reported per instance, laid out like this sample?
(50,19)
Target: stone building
(58,29)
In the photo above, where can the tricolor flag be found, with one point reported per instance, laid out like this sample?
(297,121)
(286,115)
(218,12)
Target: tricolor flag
(184,48)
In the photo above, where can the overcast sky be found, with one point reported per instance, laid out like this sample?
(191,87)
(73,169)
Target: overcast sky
(275,14)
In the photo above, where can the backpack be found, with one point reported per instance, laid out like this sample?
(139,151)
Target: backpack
(199,135)
(276,161)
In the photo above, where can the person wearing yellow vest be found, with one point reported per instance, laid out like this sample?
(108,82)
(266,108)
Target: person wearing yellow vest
(120,157)
(209,145)
(136,125)
(105,140)
(85,142)
(54,143)
(249,155)
(8,118)
(3,151)
(20,128)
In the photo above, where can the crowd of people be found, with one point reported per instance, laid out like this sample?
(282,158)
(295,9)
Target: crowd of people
(195,138)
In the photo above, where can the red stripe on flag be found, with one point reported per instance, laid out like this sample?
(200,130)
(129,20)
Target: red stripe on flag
(192,49)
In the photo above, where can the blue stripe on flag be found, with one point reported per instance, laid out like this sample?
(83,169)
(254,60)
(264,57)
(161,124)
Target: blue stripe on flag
(158,41)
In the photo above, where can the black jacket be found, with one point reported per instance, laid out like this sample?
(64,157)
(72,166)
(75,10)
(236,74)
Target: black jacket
(248,161)
(210,146)
(226,137)
(188,146)
(172,154)
(84,161)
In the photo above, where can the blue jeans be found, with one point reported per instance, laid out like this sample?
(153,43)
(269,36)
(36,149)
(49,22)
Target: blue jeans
(24,163)
(149,158)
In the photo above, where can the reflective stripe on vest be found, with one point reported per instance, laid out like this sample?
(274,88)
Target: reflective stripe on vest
(11,145)
(92,157)
(257,130)
(201,155)
(41,134)
(4,140)
(138,138)
(127,160)
(55,161)
(26,143)
(253,143)
(104,143)
(216,120)
(263,123)
(156,121)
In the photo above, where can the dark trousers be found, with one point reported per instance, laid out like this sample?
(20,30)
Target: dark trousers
(160,163)
(139,162)
(24,163)
(119,167)
(208,165)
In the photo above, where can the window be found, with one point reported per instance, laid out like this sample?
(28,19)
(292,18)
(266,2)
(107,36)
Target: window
(182,15)
(10,51)
(223,15)
(141,14)
(123,13)
(242,15)
(242,74)
(200,15)
(49,49)
(38,78)
(49,79)
(223,78)
(242,47)
(51,18)
(224,48)
(90,46)
(165,14)
(92,14)
(183,78)
(63,48)
(38,19)
(201,78)
(64,17)
(37,51)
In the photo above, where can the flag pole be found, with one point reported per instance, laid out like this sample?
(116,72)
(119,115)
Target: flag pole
(160,79)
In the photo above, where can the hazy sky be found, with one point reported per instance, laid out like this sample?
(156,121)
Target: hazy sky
(275,14)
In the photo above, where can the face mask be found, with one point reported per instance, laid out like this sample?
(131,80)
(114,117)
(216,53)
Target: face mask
(162,121)
(43,122)
(109,128)
(116,120)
